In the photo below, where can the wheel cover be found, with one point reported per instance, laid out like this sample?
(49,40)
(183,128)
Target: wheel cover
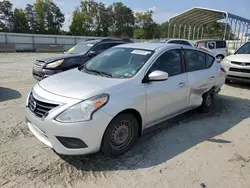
(121,135)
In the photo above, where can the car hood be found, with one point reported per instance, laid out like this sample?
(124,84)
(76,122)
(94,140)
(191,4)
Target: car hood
(57,57)
(80,85)
(239,58)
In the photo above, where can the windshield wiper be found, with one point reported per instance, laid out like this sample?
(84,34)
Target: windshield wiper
(99,72)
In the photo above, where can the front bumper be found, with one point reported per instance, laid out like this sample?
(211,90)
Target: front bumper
(43,73)
(49,131)
(237,72)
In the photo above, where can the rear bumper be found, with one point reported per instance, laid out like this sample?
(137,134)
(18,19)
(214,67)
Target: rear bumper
(43,73)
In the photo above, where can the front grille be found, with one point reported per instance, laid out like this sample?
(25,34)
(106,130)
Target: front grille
(240,63)
(38,65)
(240,70)
(39,108)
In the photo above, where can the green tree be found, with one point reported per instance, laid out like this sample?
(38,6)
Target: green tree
(123,19)
(20,22)
(31,17)
(144,21)
(6,15)
(49,17)
(103,20)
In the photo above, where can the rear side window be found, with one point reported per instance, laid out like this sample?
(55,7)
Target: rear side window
(195,60)
(220,44)
(209,61)
(114,44)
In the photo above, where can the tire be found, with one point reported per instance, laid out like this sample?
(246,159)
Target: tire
(207,103)
(120,135)
(220,57)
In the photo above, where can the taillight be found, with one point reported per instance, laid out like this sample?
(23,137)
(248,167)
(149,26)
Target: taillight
(223,70)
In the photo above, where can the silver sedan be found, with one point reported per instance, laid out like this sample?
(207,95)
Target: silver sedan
(108,103)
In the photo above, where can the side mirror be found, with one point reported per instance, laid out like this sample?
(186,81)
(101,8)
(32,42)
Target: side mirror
(157,76)
(92,54)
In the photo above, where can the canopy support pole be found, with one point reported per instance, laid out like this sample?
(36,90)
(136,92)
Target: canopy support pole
(184,33)
(174,30)
(238,36)
(243,34)
(169,29)
(179,31)
(234,34)
(189,32)
(225,32)
(202,32)
(198,32)
(194,33)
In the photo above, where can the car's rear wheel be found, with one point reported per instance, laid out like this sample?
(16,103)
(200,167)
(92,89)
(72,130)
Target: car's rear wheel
(207,103)
(120,135)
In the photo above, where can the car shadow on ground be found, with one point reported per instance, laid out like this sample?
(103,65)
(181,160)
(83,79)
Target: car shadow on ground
(172,138)
(8,94)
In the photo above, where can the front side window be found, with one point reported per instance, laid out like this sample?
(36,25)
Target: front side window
(195,60)
(119,62)
(245,49)
(101,47)
(169,62)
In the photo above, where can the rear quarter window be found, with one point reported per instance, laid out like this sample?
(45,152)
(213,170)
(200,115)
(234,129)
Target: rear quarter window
(220,44)
(196,60)
(209,61)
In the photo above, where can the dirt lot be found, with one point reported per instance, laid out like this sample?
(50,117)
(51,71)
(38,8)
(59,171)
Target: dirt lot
(193,150)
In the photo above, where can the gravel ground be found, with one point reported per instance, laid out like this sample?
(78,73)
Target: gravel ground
(193,150)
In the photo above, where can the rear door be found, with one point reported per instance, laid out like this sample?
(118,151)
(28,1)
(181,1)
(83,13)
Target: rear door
(201,74)
(166,98)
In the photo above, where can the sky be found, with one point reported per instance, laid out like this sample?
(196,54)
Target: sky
(163,9)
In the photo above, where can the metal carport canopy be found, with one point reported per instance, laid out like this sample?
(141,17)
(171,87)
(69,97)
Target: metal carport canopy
(198,16)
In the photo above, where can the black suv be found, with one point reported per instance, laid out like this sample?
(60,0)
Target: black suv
(75,57)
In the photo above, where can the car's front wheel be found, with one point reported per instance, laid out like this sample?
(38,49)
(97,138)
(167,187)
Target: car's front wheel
(208,102)
(120,135)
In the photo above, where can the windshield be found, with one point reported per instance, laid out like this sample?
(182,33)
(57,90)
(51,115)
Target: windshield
(118,62)
(81,48)
(245,49)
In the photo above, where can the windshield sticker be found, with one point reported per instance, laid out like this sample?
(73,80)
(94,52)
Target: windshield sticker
(71,49)
(140,52)
(133,71)
(126,74)
(90,44)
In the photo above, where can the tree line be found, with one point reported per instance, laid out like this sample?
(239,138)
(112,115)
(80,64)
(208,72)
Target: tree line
(92,18)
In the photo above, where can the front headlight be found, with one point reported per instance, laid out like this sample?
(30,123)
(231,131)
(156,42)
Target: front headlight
(54,64)
(225,61)
(84,110)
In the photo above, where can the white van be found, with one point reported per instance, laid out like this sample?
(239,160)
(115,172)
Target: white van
(217,47)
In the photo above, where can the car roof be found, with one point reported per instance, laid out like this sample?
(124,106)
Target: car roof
(152,46)
(209,40)
(145,46)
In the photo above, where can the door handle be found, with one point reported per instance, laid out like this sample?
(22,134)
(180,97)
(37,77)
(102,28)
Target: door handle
(181,84)
(212,78)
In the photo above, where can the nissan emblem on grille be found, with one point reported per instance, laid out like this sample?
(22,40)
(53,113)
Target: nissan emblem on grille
(243,64)
(33,106)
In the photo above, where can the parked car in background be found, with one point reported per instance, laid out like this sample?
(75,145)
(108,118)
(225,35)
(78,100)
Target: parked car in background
(216,47)
(108,103)
(172,41)
(75,57)
(237,66)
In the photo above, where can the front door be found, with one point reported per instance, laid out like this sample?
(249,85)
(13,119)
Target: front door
(169,97)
